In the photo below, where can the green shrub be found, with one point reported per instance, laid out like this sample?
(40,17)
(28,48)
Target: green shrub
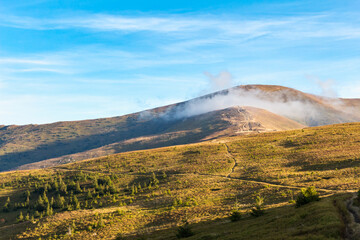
(235,216)
(20,218)
(184,231)
(258,210)
(306,196)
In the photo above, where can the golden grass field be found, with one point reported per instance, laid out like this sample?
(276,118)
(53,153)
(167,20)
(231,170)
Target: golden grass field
(147,194)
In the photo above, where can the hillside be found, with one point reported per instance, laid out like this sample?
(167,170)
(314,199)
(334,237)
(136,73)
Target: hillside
(227,122)
(181,123)
(147,194)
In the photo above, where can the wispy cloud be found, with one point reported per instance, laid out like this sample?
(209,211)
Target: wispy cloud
(90,60)
(315,26)
(24,61)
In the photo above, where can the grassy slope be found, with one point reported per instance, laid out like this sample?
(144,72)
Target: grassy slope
(201,188)
(210,125)
(21,145)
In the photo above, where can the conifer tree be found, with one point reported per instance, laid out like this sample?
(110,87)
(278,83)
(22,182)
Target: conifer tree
(76,202)
(63,188)
(45,198)
(59,201)
(6,207)
(154,180)
(40,205)
(27,217)
(78,188)
(20,218)
(49,210)
(27,194)
(27,202)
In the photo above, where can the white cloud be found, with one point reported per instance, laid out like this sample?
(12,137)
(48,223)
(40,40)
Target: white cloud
(220,81)
(24,61)
(315,26)
(350,90)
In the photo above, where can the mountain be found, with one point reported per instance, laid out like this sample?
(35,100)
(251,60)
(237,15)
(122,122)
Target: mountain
(207,117)
(227,122)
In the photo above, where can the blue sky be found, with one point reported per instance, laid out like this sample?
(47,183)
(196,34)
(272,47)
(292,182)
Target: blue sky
(73,60)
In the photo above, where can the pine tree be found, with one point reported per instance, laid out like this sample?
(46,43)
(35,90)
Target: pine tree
(63,188)
(96,185)
(6,207)
(59,201)
(76,202)
(27,202)
(20,218)
(56,186)
(113,189)
(40,205)
(27,194)
(49,210)
(258,210)
(154,180)
(45,198)
(78,188)
(89,195)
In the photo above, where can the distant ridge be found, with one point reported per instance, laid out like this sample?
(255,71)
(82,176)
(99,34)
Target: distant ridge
(227,122)
(269,108)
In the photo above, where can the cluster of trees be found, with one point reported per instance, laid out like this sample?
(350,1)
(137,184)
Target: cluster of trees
(79,191)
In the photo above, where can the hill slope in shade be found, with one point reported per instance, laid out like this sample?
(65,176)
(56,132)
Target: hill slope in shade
(174,124)
(212,125)
(147,194)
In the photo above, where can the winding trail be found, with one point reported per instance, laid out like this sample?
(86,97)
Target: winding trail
(228,153)
(353,225)
(228,176)
(232,157)
(353,209)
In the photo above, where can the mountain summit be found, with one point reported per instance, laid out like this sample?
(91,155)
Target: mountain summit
(239,110)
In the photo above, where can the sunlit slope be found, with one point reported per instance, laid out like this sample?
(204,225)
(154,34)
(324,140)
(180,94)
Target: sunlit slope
(174,124)
(227,122)
(199,183)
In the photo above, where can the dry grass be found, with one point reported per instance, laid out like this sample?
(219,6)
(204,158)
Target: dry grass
(272,165)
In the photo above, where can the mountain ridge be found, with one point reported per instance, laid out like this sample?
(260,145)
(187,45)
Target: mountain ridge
(26,144)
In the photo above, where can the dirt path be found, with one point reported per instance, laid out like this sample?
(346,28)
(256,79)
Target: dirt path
(262,182)
(228,176)
(352,227)
(232,157)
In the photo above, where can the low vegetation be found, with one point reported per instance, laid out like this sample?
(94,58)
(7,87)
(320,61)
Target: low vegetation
(306,196)
(232,188)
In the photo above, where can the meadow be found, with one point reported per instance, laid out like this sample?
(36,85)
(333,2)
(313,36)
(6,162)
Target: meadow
(148,194)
